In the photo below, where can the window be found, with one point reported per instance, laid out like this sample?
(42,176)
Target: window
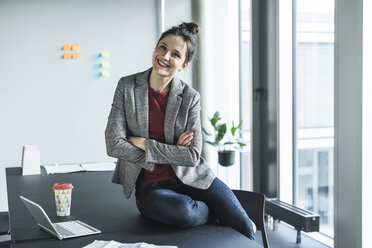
(245,59)
(313,108)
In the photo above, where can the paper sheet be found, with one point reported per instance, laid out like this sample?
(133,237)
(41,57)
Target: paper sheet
(103,244)
(145,245)
(66,168)
(105,166)
(114,244)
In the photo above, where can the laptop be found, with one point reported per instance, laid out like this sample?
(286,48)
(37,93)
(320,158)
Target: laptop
(60,230)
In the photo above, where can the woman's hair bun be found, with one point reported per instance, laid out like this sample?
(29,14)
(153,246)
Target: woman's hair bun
(190,26)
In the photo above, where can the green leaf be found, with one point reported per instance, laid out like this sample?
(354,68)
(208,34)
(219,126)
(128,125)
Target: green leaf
(221,131)
(240,124)
(212,143)
(206,131)
(229,143)
(216,115)
(233,129)
(221,128)
(215,119)
(241,144)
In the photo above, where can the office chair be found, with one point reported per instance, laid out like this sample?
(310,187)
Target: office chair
(4,230)
(254,205)
(4,223)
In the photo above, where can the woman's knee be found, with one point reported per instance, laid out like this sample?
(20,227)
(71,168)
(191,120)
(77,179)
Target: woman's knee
(188,219)
(190,215)
(247,228)
(179,211)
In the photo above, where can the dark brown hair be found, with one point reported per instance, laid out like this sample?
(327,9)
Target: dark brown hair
(188,31)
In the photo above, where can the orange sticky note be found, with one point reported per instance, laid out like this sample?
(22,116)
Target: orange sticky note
(76,55)
(75,47)
(66,55)
(66,47)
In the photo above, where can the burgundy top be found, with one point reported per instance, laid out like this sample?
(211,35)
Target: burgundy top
(157,106)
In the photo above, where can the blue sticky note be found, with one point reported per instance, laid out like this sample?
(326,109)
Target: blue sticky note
(96,66)
(96,57)
(96,75)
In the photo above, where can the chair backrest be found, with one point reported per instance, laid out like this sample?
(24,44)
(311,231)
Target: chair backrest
(254,205)
(4,223)
(4,230)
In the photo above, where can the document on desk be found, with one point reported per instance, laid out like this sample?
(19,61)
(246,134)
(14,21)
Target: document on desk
(114,244)
(69,168)
(105,166)
(65,168)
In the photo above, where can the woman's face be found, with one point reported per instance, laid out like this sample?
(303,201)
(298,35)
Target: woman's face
(169,56)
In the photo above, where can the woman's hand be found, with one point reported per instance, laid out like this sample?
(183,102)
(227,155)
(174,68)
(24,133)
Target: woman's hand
(185,138)
(138,142)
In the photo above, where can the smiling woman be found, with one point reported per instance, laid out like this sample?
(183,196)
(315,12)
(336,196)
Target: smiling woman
(175,49)
(154,130)
(168,58)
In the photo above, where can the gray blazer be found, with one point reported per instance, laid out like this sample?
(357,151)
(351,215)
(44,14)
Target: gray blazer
(129,117)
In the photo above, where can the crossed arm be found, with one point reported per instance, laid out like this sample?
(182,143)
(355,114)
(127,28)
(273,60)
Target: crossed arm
(184,140)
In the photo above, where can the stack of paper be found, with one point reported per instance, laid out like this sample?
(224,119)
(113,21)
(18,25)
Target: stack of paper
(68,168)
(114,244)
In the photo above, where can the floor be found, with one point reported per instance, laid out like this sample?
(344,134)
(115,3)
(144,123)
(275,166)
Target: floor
(285,237)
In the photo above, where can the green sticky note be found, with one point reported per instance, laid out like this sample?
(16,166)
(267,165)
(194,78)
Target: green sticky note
(105,73)
(105,54)
(105,64)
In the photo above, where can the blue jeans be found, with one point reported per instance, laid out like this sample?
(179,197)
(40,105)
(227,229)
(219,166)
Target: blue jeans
(174,203)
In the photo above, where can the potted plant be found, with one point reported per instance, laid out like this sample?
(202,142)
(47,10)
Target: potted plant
(226,144)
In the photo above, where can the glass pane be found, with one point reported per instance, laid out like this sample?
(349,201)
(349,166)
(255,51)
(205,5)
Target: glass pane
(246,93)
(314,48)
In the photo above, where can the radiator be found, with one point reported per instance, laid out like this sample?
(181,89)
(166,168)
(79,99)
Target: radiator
(300,219)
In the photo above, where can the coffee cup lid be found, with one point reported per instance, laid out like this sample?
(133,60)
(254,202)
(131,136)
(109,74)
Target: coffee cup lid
(62,186)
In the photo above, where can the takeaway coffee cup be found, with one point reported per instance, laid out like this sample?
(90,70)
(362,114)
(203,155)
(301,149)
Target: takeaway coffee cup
(62,195)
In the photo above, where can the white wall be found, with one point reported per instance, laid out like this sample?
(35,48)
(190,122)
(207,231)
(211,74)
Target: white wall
(56,104)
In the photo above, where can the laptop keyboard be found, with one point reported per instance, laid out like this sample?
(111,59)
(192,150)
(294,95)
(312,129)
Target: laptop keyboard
(62,231)
(71,228)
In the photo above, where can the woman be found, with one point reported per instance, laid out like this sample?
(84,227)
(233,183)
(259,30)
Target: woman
(154,131)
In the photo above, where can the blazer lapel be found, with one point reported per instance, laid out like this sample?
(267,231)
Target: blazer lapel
(141,98)
(173,106)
